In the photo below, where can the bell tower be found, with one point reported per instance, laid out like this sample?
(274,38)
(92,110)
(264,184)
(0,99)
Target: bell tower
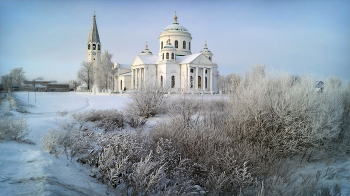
(94,45)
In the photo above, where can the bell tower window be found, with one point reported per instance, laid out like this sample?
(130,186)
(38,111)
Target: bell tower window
(209,58)
(161,45)
(189,45)
(163,55)
(94,46)
(184,45)
(98,47)
(167,55)
(176,44)
(89,47)
(172,55)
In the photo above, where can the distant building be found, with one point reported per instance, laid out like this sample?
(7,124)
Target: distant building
(82,87)
(319,86)
(57,87)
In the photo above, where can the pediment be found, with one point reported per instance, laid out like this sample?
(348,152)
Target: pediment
(201,59)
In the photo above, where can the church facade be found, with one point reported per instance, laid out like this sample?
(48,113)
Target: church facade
(174,66)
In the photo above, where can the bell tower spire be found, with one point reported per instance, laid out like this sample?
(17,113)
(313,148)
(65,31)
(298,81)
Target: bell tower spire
(94,45)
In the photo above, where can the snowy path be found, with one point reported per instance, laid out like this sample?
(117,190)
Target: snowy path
(28,169)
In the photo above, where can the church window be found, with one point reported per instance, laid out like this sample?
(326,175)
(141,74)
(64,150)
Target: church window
(209,58)
(121,84)
(206,78)
(191,70)
(94,59)
(163,55)
(161,46)
(206,71)
(176,44)
(98,47)
(191,82)
(199,82)
(189,45)
(89,47)
(167,55)
(172,55)
(172,81)
(161,81)
(184,45)
(94,46)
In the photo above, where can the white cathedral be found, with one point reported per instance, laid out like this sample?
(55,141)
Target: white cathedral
(175,65)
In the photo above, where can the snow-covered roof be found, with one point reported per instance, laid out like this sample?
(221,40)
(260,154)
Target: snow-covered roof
(40,86)
(187,58)
(83,85)
(149,59)
(127,74)
(122,66)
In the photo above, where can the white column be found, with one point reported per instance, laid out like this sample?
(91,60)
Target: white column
(203,79)
(196,79)
(132,79)
(144,75)
(189,78)
(211,79)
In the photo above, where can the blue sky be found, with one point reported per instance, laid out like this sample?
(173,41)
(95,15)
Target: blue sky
(48,38)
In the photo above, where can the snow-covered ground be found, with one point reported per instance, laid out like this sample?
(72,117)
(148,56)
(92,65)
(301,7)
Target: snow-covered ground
(30,170)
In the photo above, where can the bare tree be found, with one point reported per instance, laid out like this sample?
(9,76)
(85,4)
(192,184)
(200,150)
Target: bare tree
(17,76)
(104,70)
(86,73)
(74,84)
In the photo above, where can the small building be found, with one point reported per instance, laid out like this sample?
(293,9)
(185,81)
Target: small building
(57,87)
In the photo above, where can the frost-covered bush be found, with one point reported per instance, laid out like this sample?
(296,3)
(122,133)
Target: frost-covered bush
(62,114)
(13,129)
(147,101)
(106,119)
(52,140)
(286,119)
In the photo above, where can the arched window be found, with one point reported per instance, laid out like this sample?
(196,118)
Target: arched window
(189,45)
(167,55)
(121,84)
(98,46)
(161,45)
(191,82)
(172,55)
(176,44)
(172,81)
(163,55)
(199,82)
(161,81)
(89,47)
(184,45)
(94,46)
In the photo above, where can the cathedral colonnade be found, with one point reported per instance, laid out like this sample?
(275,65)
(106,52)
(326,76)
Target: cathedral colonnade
(138,77)
(198,81)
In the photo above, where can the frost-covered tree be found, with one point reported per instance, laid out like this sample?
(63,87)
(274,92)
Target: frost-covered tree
(74,84)
(17,76)
(86,73)
(103,72)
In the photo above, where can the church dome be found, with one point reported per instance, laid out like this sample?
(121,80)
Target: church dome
(146,51)
(178,36)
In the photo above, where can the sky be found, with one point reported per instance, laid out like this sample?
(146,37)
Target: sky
(48,38)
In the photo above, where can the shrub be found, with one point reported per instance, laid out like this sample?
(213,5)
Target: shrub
(13,129)
(52,140)
(147,101)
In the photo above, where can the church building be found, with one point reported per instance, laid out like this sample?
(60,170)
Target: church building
(174,65)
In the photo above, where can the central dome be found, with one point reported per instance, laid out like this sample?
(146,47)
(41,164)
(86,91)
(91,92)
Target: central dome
(175,27)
